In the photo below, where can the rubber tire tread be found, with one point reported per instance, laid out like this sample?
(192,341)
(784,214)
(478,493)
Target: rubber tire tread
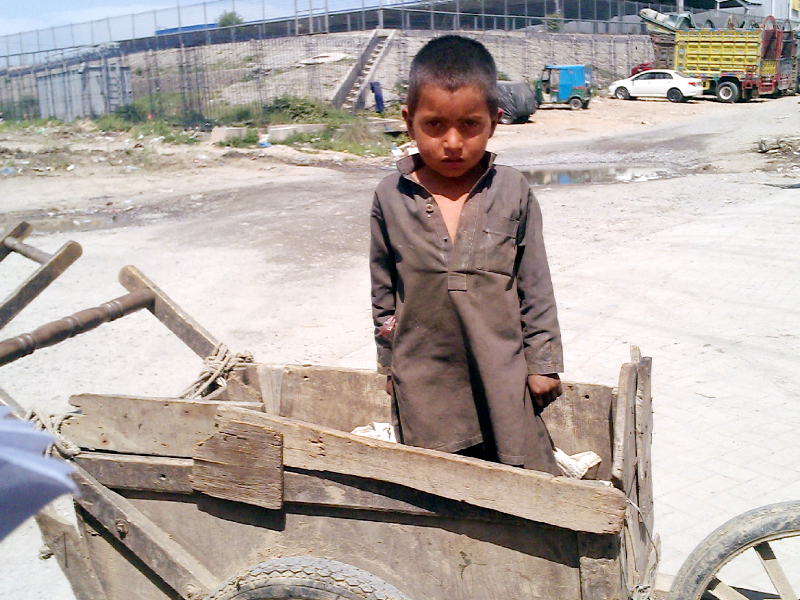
(575,103)
(622,93)
(728,540)
(315,578)
(735,96)
(677,98)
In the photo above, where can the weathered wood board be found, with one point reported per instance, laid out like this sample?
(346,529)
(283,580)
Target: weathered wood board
(240,463)
(171,562)
(156,426)
(341,399)
(581,420)
(427,558)
(578,505)
(72,554)
(623,469)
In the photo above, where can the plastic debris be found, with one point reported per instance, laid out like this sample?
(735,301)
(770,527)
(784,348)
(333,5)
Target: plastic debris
(377,431)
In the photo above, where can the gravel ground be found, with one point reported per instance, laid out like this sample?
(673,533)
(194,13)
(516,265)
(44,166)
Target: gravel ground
(268,250)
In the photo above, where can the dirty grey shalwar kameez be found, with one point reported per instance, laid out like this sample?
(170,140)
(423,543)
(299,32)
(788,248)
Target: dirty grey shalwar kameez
(475,315)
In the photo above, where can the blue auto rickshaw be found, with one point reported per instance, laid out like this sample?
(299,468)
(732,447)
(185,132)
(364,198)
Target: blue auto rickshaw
(565,84)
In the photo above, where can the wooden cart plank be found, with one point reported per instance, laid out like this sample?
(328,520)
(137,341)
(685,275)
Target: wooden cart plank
(623,467)
(189,331)
(139,473)
(131,472)
(71,553)
(18,233)
(243,463)
(577,505)
(601,575)
(171,562)
(38,281)
(644,439)
(156,426)
(315,395)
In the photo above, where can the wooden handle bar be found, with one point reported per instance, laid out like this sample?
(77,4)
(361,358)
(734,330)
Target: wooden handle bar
(81,322)
(170,314)
(28,251)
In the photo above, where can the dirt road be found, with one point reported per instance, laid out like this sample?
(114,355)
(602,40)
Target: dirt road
(268,250)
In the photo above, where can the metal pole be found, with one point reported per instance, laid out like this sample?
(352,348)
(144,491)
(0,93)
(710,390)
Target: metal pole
(505,15)
(363,17)
(458,14)
(296,19)
(483,15)
(433,24)
(327,24)
(133,27)
(310,17)
(380,14)
(108,25)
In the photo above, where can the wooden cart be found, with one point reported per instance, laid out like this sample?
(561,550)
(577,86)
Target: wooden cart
(257,491)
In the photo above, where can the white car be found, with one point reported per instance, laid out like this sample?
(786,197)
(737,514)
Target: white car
(657,83)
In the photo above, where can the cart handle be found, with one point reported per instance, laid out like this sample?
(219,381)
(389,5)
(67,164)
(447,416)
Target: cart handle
(81,322)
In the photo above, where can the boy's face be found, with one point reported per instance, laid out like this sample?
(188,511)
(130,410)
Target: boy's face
(451,128)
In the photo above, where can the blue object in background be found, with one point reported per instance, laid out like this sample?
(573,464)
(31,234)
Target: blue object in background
(28,480)
(375,87)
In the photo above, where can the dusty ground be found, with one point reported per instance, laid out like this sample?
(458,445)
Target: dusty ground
(267,248)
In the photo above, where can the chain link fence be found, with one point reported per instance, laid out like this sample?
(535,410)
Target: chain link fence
(224,61)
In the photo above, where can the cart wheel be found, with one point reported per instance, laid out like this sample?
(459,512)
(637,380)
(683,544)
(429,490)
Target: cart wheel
(575,103)
(674,95)
(701,572)
(303,578)
(622,93)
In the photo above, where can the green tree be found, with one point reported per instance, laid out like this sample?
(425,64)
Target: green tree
(229,18)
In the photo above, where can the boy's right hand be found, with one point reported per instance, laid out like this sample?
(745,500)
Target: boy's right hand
(544,389)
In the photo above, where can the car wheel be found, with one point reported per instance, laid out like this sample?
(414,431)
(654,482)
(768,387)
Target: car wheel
(674,95)
(575,103)
(622,93)
(727,91)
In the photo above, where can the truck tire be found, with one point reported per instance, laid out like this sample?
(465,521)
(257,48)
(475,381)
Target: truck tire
(675,95)
(305,578)
(754,529)
(727,91)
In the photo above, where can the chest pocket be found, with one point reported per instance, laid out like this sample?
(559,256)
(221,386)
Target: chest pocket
(497,249)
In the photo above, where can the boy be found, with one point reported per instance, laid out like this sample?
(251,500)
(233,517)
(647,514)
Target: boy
(457,258)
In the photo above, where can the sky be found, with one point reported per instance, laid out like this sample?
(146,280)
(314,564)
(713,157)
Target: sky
(27,15)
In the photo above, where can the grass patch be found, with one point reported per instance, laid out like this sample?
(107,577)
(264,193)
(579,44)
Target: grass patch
(250,138)
(292,109)
(353,138)
(169,133)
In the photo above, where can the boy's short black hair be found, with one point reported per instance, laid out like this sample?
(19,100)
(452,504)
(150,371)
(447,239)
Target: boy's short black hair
(451,62)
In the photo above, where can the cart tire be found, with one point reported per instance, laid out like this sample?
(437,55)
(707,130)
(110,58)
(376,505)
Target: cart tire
(622,93)
(575,103)
(303,578)
(674,95)
(755,527)
(727,91)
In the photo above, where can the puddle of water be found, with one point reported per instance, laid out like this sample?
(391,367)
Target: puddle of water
(600,174)
(43,222)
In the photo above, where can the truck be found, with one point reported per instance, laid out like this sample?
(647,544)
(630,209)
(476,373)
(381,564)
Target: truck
(734,64)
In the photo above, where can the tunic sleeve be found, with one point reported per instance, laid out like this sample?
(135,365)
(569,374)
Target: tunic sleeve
(383,274)
(540,330)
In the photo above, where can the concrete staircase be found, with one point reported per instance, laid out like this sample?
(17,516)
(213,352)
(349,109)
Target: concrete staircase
(353,90)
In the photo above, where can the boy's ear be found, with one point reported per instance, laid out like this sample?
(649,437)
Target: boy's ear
(408,119)
(496,120)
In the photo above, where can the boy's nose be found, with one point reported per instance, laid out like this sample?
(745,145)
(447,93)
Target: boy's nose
(452,140)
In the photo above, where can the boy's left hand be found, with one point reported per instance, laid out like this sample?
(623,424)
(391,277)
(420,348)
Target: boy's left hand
(544,389)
